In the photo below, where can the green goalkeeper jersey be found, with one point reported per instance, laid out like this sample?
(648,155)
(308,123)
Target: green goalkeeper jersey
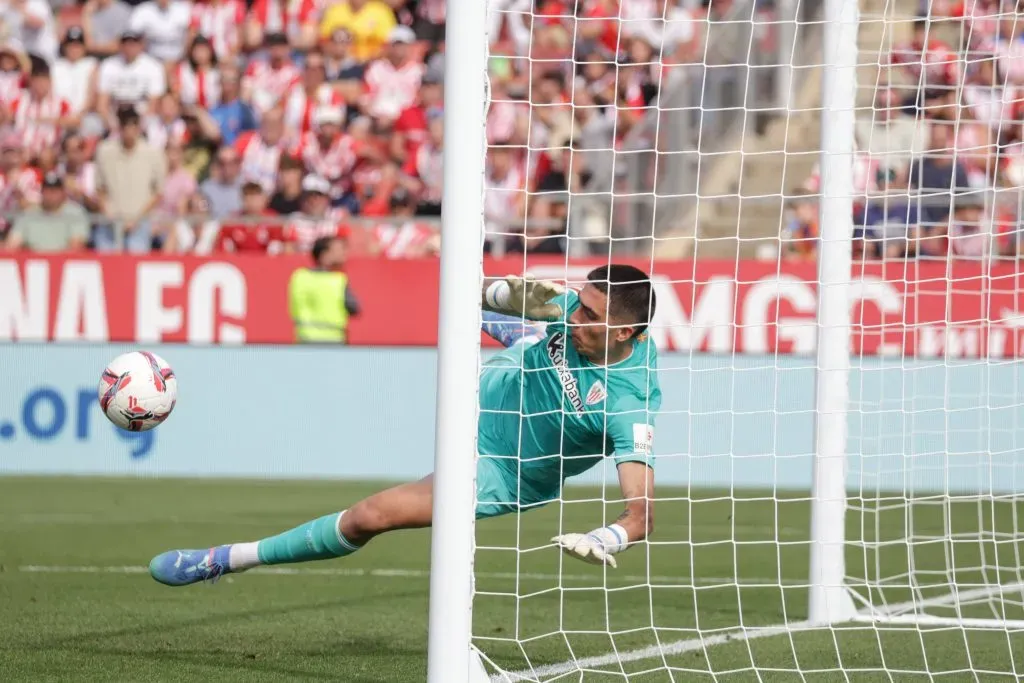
(547,413)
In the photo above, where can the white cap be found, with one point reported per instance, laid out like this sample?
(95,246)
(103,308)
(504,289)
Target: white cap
(324,115)
(401,34)
(314,183)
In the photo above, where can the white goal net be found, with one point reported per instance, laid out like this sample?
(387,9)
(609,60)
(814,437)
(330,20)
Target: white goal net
(849,510)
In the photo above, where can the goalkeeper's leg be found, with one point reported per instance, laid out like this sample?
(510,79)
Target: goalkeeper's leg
(407,506)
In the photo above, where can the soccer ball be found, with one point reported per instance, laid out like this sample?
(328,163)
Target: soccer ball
(138,391)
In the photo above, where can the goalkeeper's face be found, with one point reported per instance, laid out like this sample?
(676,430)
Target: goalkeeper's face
(594,334)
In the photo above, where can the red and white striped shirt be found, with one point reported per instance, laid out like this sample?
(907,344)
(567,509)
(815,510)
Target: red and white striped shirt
(26,182)
(302,230)
(938,62)
(333,163)
(392,89)
(259,160)
(159,132)
(10,86)
(299,107)
(408,240)
(427,164)
(197,87)
(266,85)
(36,120)
(221,22)
(284,16)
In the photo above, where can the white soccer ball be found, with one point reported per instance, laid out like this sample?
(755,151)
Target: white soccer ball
(138,391)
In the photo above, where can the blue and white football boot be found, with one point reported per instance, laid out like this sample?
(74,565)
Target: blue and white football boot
(184,567)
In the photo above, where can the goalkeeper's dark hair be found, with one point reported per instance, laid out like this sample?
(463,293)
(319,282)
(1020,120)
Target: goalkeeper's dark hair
(630,294)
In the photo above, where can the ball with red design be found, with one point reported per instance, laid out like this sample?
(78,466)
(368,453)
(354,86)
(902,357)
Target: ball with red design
(138,391)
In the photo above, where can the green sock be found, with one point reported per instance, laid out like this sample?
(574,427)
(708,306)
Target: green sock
(319,539)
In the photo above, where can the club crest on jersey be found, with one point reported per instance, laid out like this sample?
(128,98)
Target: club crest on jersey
(556,352)
(596,393)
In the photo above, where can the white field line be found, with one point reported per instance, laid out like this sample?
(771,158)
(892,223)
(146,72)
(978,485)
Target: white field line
(738,635)
(353,572)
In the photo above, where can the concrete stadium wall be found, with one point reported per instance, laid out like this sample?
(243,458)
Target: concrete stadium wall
(740,421)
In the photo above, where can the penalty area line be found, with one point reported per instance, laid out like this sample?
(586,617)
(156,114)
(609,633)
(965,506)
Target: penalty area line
(396,573)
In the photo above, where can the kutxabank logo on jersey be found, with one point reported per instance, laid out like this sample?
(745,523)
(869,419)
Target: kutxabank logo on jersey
(556,352)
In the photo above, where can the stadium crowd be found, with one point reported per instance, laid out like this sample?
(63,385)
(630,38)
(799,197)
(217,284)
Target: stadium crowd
(260,126)
(939,161)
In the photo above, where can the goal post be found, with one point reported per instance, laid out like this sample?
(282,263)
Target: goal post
(449,656)
(840,485)
(828,601)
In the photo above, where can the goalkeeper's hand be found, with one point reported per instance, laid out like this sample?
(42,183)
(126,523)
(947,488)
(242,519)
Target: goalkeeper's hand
(597,547)
(526,297)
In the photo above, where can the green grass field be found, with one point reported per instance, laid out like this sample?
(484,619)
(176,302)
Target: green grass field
(77,605)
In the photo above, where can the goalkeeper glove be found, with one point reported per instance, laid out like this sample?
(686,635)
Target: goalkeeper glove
(526,297)
(597,547)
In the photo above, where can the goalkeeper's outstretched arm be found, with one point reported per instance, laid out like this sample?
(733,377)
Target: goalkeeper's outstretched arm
(522,297)
(636,479)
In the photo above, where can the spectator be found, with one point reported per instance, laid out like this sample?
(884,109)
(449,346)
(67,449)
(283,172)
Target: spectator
(164,25)
(338,60)
(939,178)
(311,93)
(223,189)
(891,231)
(30,24)
(74,74)
(129,78)
(55,225)
(261,150)
(21,182)
(201,141)
(103,22)
(130,179)
(296,19)
(800,233)
(504,192)
(14,67)
(39,116)
(393,81)
(222,23)
(165,124)
(890,136)
(424,167)
(251,236)
(178,188)
(320,299)
(287,200)
(406,238)
(79,174)
(327,152)
(971,228)
(196,80)
(368,21)
(232,115)
(929,64)
(410,129)
(315,219)
(267,81)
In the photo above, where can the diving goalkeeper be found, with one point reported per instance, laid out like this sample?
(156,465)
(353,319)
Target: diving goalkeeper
(550,408)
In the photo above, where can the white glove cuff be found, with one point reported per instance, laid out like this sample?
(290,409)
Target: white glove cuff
(613,538)
(497,295)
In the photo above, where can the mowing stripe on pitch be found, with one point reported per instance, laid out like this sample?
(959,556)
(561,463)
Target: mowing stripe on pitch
(420,574)
(611,663)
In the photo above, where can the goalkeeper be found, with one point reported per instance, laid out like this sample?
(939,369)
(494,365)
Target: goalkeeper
(549,410)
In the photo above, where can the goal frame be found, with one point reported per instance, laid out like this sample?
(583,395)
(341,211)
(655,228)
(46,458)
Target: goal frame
(451,655)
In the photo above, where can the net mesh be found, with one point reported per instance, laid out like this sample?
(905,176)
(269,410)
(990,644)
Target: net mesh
(684,138)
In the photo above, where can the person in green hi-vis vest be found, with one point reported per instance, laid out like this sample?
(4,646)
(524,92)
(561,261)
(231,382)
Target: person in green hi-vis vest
(320,299)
